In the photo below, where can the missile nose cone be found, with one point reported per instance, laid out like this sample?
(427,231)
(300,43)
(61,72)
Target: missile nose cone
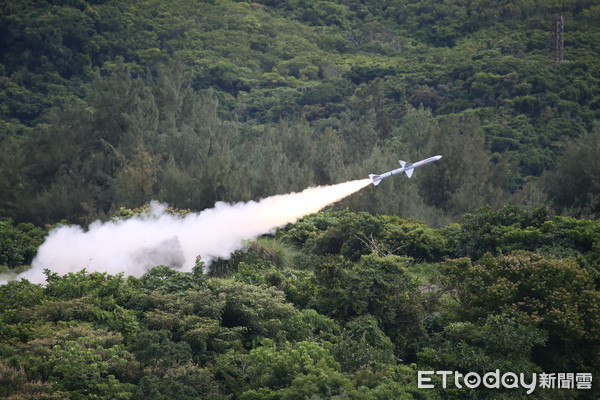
(437,157)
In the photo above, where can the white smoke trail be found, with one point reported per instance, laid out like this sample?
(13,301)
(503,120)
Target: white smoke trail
(136,244)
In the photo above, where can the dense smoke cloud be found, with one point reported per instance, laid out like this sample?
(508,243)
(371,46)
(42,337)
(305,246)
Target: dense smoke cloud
(134,245)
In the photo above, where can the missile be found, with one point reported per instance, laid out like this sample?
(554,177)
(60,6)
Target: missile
(406,167)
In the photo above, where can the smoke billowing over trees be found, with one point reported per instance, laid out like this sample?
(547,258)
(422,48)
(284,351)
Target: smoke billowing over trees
(486,260)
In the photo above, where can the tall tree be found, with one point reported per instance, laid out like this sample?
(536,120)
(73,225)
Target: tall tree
(465,177)
(574,185)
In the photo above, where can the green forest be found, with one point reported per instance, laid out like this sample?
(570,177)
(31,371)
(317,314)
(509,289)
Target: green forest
(488,259)
(339,305)
(111,103)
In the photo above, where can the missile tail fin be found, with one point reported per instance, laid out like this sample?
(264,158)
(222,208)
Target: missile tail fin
(409,172)
(375,178)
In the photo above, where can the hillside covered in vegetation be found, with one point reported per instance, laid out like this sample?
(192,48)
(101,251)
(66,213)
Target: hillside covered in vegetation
(107,104)
(112,103)
(338,305)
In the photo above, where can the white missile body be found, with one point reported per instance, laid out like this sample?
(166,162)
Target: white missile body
(406,167)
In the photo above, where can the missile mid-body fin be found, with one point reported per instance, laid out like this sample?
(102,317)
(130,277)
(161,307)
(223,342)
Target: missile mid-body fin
(405,165)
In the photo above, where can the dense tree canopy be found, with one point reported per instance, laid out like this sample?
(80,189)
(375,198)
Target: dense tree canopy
(487,260)
(193,102)
(337,305)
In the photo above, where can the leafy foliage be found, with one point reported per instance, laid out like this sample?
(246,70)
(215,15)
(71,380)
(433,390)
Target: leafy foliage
(554,294)
(512,228)
(109,104)
(339,304)
(18,243)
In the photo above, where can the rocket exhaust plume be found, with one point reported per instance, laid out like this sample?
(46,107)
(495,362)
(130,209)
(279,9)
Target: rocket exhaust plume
(134,245)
